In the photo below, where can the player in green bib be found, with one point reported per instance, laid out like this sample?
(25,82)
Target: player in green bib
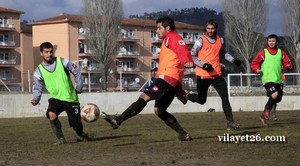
(54,74)
(269,63)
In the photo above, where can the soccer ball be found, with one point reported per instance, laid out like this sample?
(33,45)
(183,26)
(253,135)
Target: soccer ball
(90,112)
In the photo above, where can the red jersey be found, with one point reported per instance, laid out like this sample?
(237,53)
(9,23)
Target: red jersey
(174,42)
(259,59)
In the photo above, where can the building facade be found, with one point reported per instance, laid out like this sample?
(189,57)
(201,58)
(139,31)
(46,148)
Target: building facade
(10,53)
(138,51)
(137,54)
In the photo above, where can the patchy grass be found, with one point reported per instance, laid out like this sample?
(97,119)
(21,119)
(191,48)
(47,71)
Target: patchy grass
(146,140)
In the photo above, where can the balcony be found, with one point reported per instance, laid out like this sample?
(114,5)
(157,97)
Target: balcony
(128,38)
(10,80)
(189,41)
(155,55)
(8,62)
(91,69)
(156,40)
(7,44)
(128,70)
(189,71)
(132,86)
(7,27)
(128,54)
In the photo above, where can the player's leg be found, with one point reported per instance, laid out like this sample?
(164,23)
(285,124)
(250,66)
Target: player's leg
(160,109)
(202,88)
(279,88)
(54,109)
(154,91)
(221,87)
(74,118)
(274,112)
(272,93)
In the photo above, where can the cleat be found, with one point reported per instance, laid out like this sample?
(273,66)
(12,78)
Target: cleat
(232,126)
(111,120)
(183,99)
(60,141)
(85,137)
(263,120)
(185,137)
(275,119)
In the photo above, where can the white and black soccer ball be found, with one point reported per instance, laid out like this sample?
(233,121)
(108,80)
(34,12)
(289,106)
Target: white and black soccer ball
(90,112)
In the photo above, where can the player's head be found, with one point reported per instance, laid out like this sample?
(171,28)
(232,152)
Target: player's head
(211,26)
(272,40)
(46,51)
(164,25)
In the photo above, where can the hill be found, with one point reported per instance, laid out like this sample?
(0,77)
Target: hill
(196,16)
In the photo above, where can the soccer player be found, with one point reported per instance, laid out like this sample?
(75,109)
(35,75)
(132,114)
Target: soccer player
(269,63)
(53,73)
(174,57)
(206,54)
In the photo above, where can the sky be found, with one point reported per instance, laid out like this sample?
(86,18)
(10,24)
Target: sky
(40,9)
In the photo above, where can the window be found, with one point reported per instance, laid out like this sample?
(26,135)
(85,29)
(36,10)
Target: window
(4,74)
(185,35)
(4,56)
(153,34)
(130,33)
(154,64)
(129,47)
(155,49)
(195,36)
(3,20)
(80,48)
(3,38)
(124,63)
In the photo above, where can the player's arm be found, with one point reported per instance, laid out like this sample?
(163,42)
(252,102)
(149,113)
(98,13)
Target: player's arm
(257,61)
(75,70)
(228,57)
(177,44)
(194,52)
(37,88)
(286,62)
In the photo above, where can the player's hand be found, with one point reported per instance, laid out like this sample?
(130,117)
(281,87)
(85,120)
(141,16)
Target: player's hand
(259,72)
(208,67)
(78,92)
(237,62)
(34,102)
(189,64)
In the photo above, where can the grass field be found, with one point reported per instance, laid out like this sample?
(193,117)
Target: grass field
(146,140)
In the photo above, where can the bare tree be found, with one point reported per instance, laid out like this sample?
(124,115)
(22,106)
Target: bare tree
(101,19)
(245,24)
(291,26)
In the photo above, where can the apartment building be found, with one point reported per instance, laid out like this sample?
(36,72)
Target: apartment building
(138,51)
(10,53)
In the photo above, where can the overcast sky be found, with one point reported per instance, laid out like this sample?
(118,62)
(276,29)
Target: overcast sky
(40,9)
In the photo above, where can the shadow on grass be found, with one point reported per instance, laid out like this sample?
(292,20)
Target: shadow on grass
(114,137)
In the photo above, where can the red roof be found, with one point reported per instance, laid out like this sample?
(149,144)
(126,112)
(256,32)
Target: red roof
(7,10)
(63,17)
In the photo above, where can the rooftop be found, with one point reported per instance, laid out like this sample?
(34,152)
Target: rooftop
(64,17)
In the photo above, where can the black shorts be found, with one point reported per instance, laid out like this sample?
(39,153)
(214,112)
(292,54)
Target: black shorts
(72,109)
(274,87)
(162,92)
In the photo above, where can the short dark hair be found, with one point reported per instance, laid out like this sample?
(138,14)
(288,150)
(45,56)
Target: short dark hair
(166,21)
(272,36)
(212,22)
(45,45)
